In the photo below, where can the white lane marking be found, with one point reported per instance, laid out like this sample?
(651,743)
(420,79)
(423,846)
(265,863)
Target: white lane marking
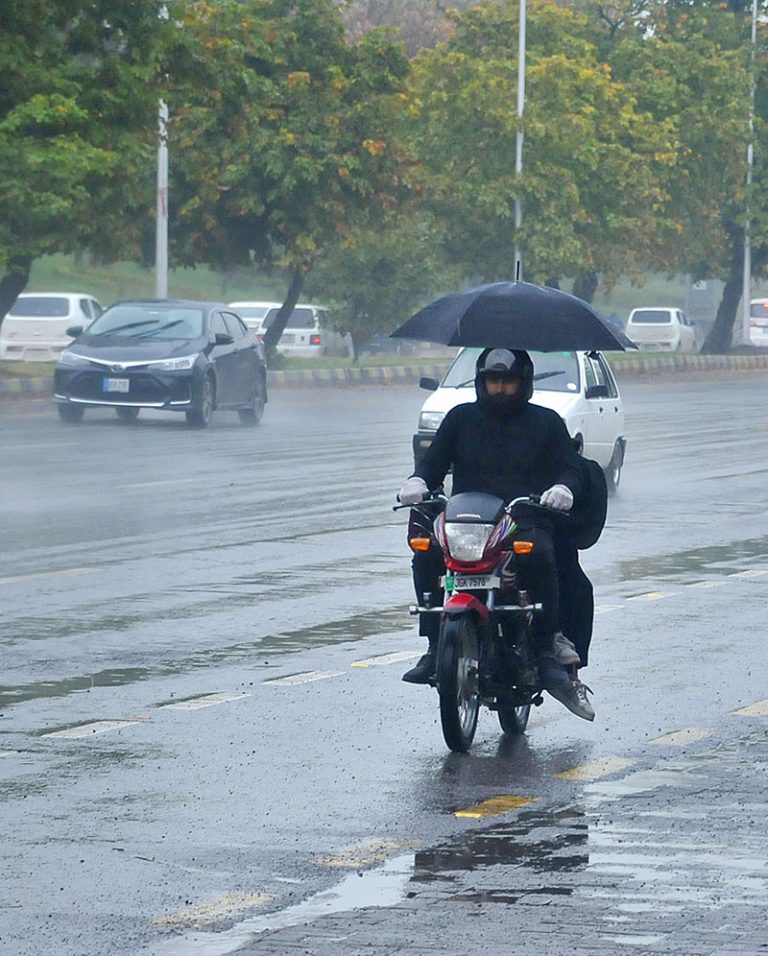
(6,753)
(211,911)
(708,584)
(156,484)
(758,709)
(305,678)
(397,657)
(88,730)
(363,854)
(52,444)
(678,738)
(606,608)
(653,596)
(755,573)
(46,574)
(207,700)
(595,769)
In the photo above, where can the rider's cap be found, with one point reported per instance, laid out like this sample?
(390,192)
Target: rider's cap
(501,361)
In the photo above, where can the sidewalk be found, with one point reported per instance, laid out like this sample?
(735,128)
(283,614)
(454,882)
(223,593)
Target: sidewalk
(670,860)
(644,364)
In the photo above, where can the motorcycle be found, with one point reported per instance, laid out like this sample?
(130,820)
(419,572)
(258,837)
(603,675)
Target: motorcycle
(485,654)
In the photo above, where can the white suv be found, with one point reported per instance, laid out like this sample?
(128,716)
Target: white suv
(35,328)
(661,329)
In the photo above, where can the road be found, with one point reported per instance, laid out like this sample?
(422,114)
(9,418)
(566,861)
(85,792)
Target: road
(202,723)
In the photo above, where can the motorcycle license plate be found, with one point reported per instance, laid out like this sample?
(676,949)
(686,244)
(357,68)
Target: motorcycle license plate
(116,384)
(475,582)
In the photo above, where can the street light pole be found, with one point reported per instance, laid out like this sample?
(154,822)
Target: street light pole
(746,296)
(519,141)
(161,219)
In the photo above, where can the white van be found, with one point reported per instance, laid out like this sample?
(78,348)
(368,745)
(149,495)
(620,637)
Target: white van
(35,328)
(307,334)
(663,329)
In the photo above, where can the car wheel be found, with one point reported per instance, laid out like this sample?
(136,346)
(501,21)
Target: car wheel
(200,415)
(71,413)
(126,414)
(614,469)
(253,413)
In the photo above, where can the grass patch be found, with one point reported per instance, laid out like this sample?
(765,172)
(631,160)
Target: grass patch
(14,370)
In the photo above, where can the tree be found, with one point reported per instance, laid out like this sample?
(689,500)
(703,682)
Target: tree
(78,100)
(418,23)
(283,137)
(592,186)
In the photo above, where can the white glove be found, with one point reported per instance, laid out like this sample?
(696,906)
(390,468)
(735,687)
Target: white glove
(413,491)
(558,497)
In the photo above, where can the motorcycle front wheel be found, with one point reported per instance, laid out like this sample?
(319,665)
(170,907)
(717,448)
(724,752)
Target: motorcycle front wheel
(458,682)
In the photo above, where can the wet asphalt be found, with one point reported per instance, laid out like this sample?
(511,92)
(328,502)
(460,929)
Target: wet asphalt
(205,744)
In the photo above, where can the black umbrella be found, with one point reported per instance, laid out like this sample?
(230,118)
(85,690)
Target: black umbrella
(514,315)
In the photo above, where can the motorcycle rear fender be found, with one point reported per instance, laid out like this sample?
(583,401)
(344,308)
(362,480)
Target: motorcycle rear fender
(462,603)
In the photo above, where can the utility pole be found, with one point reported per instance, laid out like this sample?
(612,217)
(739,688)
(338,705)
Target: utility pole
(161,223)
(519,141)
(746,295)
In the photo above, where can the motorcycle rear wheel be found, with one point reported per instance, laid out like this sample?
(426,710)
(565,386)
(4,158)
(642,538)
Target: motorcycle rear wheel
(514,720)
(458,682)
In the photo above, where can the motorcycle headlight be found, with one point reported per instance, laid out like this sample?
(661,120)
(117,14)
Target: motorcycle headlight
(466,542)
(175,364)
(68,357)
(430,421)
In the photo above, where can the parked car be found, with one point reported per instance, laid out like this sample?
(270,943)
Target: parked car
(758,322)
(661,329)
(579,386)
(307,333)
(185,356)
(35,328)
(253,313)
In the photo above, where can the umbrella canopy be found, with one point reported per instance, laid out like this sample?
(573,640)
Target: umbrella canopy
(514,315)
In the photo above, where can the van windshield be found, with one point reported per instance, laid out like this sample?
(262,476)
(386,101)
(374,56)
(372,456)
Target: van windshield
(41,307)
(299,319)
(652,317)
(552,371)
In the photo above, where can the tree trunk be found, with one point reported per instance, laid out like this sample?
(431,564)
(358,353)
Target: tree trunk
(721,334)
(13,282)
(273,333)
(585,285)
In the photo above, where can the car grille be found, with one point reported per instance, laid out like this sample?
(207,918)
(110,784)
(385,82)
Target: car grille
(143,388)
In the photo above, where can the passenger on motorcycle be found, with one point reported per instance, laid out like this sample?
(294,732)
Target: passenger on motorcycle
(504,445)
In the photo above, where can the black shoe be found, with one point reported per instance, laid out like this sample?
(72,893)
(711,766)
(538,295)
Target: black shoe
(421,672)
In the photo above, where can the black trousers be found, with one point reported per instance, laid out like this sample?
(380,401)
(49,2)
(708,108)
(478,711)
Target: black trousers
(537,574)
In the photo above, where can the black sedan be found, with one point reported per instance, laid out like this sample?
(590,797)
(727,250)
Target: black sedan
(191,357)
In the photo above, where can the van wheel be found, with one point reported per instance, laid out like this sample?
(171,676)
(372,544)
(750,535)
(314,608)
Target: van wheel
(614,469)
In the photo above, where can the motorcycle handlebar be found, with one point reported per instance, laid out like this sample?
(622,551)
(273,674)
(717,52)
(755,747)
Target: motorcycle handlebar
(530,501)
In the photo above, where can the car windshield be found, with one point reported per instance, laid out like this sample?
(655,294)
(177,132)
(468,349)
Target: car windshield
(652,317)
(40,307)
(149,322)
(552,371)
(299,319)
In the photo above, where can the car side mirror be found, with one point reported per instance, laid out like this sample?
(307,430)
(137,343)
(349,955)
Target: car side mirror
(74,330)
(430,384)
(223,338)
(596,391)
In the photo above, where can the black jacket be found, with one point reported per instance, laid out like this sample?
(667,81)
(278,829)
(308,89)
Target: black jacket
(523,452)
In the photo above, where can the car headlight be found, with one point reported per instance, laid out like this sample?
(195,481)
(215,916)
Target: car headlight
(68,357)
(430,421)
(466,542)
(175,364)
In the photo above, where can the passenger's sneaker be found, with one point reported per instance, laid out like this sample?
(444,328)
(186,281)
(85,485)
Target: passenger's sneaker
(573,695)
(422,670)
(565,652)
(551,672)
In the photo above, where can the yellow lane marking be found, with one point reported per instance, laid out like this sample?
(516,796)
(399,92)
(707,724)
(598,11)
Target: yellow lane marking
(395,658)
(594,769)
(370,851)
(88,730)
(605,608)
(46,574)
(652,596)
(211,911)
(758,709)
(208,700)
(305,678)
(679,738)
(495,806)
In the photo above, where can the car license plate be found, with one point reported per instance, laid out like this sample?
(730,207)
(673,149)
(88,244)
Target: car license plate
(116,384)
(474,582)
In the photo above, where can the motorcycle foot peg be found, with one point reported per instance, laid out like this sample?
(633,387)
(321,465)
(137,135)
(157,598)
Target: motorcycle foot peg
(538,700)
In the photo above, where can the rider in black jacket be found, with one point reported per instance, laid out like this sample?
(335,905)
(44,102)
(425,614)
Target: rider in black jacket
(505,446)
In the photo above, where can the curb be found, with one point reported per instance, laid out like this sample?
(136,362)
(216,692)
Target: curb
(407,375)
